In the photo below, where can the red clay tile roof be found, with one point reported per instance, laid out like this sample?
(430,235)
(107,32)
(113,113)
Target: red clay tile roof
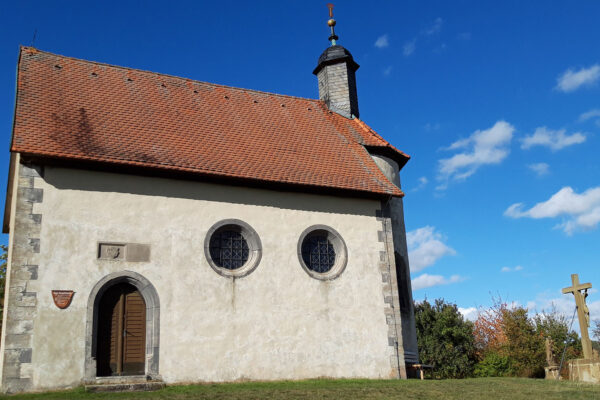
(86,111)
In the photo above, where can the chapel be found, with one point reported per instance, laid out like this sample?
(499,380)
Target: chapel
(169,230)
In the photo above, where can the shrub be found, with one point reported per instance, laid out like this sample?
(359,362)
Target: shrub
(445,339)
(524,345)
(556,326)
(511,334)
(488,329)
(494,364)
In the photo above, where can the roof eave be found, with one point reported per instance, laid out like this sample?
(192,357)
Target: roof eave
(348,59)
(167,172)
(400,158)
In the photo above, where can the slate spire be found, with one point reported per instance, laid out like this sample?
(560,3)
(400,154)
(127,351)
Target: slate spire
(335,72)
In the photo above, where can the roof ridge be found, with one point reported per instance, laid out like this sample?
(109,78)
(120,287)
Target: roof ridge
(36,50)
(370,130)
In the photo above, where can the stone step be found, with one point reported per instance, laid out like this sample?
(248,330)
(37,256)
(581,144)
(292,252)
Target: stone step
(106,380)
(126,387)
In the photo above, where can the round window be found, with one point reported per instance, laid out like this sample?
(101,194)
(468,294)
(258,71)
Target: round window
(318,252)
(232,248)
(229,249)
(322,252)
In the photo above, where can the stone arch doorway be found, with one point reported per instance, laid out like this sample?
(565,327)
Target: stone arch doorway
(107,309)
(121,332)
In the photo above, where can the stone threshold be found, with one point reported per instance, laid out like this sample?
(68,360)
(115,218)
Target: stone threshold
(136,383)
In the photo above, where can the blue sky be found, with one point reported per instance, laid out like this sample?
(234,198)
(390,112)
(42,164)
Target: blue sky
(498,103)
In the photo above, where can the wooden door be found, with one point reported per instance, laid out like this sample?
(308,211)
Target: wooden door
(121,332)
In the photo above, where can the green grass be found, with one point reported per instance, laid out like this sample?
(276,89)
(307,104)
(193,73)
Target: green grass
(465,389)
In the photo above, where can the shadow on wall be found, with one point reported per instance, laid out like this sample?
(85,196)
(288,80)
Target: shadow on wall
(86,180)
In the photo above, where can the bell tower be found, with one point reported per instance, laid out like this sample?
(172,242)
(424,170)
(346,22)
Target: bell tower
(336,73)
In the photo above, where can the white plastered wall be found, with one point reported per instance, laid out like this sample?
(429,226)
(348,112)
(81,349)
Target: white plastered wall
(276,323)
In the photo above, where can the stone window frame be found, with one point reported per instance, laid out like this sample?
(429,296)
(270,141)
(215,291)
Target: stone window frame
(341,253)
(254,247)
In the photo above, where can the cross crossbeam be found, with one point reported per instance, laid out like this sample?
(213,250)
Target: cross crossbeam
(576,285)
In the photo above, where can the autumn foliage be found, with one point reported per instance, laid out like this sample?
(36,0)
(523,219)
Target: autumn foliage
(509,342)
(505,340)
(488,329)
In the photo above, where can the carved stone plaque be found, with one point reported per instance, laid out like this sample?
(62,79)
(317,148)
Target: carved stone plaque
(130,252)
(111,251)
(62,298)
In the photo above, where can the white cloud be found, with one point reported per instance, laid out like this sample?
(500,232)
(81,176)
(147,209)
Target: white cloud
(425,281)
(509,269)
(555,140)
(409,47)
(565,305)
(572,80)
(547,302)
(435,27)
(382,41)
(387,70)
(464,36)
(540,169)
(425,247)
(589,114)
(423,181)
(489,146)
(470,313)
(581,210)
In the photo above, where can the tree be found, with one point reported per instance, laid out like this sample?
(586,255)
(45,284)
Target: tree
(556,326)
(445,339)
(596,334)
(511,343)
(524,345)
(488,328)
(490,341)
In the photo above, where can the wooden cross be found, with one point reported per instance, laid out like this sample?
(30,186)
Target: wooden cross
(583,313)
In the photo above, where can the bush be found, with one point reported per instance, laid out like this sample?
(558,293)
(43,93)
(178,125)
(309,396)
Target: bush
(503,341)
(488,329)
(524,345)
(492,365)
(556,326)
(509,332)
(445,339)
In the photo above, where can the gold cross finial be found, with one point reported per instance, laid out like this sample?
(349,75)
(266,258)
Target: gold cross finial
(333,37)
